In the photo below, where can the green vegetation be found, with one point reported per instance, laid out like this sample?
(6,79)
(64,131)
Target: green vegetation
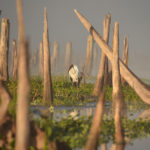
(74,131)
(66,94)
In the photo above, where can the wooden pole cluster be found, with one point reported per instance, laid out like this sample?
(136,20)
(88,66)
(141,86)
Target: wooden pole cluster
(41,60)
(68,56)
(89,55)
(103,66)
(126,73)
(15,60)
(55,57)
(4,45)
(48,94)
(22,108)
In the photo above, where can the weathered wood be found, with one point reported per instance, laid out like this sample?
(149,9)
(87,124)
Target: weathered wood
(15,60)
(103,66)
(48,94)
(140,88)
(4,46)
(22,108)
(89,55)
(117,94)
(68,56)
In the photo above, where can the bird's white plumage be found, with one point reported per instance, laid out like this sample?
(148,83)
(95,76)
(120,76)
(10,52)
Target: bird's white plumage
(74,73)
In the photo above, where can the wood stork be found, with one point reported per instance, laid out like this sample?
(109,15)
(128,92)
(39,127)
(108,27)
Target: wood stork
(75,75)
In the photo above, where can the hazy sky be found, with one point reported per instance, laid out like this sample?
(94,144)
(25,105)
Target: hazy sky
(133,17)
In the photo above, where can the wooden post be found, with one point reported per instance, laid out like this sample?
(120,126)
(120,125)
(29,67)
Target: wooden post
(15,60)
(95,129)
(125,56)
(68,56)
(126,73)
(103,66)
(22,108)
(55,57)
(4,46)
(117,94)
(89,55)
(48,94)
(41,61)
(95,60)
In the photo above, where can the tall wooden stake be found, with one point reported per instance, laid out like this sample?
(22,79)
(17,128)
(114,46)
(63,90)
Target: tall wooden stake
(41,61)
(48,94)
(103,66)
(4,45)
(22,109)
(68,56)
(89,55)
(117,94)
(125,55)
(15,60)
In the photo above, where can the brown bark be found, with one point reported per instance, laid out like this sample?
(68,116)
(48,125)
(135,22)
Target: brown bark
(125,56)
(126,73)
(22,108)
(48,94)
(15,60)
(68,56)
(103,66)
(95,129)
(89,55)
(4,46)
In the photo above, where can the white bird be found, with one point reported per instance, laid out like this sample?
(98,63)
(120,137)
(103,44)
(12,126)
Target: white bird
(75,75)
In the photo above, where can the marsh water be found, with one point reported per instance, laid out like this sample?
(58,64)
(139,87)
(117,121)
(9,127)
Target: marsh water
(88,109)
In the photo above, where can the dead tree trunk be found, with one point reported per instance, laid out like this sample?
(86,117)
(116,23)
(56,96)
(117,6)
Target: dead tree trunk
(48,94)
(126,73)
(15,60)
(41,60)
(4,45)
(89,55)
(68,56)
(95,130)
(22,108)
(125,56)
(103,66)
(117,94)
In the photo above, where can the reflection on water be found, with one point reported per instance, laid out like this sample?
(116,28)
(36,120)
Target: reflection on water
(88,110)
